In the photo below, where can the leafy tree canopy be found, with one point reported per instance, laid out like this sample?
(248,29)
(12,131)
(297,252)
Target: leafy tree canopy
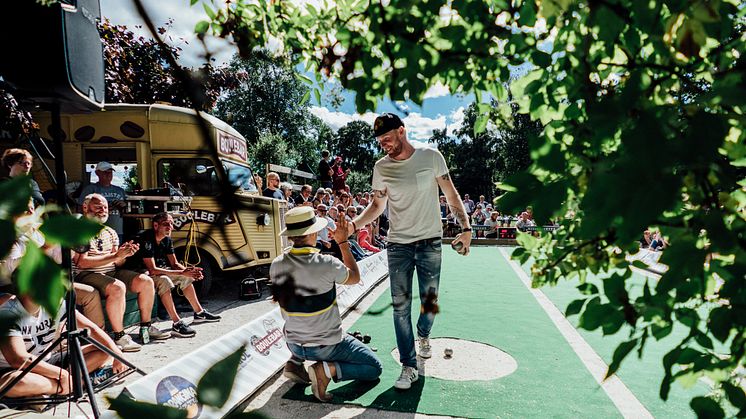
(355,143)
(137,71)
(642,105)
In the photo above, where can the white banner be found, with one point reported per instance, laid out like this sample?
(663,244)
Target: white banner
(650,258)
(266,353)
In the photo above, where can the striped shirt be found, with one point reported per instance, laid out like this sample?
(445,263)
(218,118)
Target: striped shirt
(310,309)
(105,242)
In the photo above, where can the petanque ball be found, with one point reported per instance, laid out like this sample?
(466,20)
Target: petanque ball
(457,246)
(366,338)
(448,352)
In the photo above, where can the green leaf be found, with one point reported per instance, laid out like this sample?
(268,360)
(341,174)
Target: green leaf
(317,95)
(68,230)
(15,193)
(541,59)
(128,408)
(215,386)
(735,394)
(528,13)
(201,27)
(705,407)
(481,123)
(620,353)
(305,98)
(42,279)
(193,2)
(588,289)
(209,11)
(719,323)
(574,307)
(7,237)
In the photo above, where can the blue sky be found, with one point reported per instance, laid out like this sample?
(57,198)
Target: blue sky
(440,109)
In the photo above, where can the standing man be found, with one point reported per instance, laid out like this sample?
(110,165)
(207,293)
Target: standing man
(115,196)
(407,179)
(468,204)
(325,170)
(156,255)
(273,187)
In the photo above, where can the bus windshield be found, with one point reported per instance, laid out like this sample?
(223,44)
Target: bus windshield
(239,176)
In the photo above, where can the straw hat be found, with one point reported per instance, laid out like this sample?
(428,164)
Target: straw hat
(301,221)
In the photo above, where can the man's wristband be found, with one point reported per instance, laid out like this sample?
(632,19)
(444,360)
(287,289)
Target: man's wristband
(343,242)
(466,229)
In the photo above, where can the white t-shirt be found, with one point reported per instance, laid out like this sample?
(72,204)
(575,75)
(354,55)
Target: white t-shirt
(412,189)
(37,331)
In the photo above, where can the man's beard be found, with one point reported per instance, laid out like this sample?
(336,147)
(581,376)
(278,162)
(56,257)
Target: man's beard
(101,220)
(395,149)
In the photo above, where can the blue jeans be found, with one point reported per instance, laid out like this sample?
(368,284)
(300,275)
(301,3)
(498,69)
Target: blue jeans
(352,359)
(425,256)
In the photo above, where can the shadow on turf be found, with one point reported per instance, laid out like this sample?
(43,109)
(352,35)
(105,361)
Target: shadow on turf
(390,399)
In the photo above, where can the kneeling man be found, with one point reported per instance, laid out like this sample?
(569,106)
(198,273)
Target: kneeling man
(304,284)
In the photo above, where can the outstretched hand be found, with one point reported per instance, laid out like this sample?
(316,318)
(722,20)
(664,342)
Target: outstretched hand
(343,229)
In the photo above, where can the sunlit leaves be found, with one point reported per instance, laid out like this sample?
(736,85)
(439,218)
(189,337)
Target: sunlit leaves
(69,230)
(216,384)
(41,278)
(128,408)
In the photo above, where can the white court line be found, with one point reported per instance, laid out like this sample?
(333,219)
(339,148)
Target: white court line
(617,391)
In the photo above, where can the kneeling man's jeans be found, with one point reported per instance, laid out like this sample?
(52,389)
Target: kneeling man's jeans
(352,359)
(424,255)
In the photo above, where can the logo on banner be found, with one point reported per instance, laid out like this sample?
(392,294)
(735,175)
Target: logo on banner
(273,337)
(178,392)
(232,146)
(209,217)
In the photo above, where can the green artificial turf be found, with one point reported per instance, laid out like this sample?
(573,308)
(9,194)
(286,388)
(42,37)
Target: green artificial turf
(482,299)
(642,376)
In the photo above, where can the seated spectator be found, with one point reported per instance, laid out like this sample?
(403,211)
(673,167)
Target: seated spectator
(32,330)
(658,242)
(305,195)
(156,257)
(524,222)
(19,162)
(115,196)
(493,223)
(287,193)
(273,187)
(479,217)
(364,239)
(99,268)
(319,197)
(646,240)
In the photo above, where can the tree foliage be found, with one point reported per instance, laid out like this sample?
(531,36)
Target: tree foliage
(356,144)
(272,99)
(137,71)
(642,105)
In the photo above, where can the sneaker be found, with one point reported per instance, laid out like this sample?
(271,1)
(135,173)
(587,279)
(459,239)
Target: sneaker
(296,373)
(126,344)
(408,376)
(425,349)
(181,330)
(319,382)
(102,374)
(157,334)
(205,317)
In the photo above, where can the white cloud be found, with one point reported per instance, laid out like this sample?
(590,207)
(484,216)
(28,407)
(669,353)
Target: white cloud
(337,120)
(437,90)
(419,127)
(456,119)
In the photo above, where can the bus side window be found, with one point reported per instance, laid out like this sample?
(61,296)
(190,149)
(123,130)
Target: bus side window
(195,177)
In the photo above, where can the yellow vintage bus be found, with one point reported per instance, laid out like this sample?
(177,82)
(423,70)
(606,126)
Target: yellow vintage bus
(161,146)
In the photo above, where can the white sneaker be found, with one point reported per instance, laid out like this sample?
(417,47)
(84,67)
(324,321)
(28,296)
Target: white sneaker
(408,376)
(425,349)
(157,334)
(126,344)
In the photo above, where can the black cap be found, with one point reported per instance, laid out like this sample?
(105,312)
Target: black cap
(385,123)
